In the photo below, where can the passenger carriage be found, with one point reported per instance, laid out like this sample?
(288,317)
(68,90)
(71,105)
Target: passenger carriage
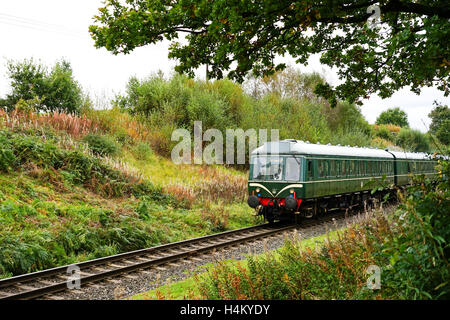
(295,177)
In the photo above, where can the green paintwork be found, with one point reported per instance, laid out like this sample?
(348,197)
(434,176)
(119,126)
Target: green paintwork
(313,186)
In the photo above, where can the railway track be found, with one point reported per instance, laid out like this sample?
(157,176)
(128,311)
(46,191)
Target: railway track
(44,284)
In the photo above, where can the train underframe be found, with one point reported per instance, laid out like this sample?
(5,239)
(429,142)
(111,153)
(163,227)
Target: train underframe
(275,210)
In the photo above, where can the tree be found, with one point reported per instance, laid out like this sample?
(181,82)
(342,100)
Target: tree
(56,90)
(410,49)
(440,123)
(393,116)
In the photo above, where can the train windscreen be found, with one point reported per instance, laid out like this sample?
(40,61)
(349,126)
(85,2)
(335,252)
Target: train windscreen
(267,168)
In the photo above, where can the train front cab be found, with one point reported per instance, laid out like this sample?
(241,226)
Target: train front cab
(275,185)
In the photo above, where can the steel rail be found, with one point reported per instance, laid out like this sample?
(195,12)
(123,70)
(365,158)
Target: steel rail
(254,232)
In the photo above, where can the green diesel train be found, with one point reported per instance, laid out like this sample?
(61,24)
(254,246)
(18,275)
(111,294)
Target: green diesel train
(295,177)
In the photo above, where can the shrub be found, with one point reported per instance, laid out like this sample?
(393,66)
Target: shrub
(7,157)
(419,256)
(102,145)
(413,140)
(142,151)
(380,143)
(384,133)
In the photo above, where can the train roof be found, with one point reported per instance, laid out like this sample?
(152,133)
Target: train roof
(411,155)
(291,146)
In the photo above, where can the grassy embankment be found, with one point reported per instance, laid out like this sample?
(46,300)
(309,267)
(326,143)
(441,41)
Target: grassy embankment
(71,191)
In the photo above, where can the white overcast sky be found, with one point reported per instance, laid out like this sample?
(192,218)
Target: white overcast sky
(49,30)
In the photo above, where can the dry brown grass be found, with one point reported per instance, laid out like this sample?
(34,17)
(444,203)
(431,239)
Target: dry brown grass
(74,125)
(215,184)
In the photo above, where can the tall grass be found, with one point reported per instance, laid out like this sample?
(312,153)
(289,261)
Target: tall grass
(76,126)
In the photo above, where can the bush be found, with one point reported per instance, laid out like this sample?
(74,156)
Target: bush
(412,140)
(384,133)
(290,106)
(142,151)
(7,157)
(102,145)
(419,256)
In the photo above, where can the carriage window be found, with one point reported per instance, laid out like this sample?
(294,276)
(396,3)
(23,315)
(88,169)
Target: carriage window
(332,168)
(320,168)
(343,168)
(326,168)
(292,169)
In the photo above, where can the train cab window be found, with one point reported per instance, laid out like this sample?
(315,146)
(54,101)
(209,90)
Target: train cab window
(292,169)
(268,168)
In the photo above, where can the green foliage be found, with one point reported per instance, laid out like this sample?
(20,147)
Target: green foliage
(285,101)
(73,166)
(419,257)
(142,151)
(7,158)
(51,91)
(440,123)
(393,116)
(413,140)
(102,145)
(384,133)
(410,50)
